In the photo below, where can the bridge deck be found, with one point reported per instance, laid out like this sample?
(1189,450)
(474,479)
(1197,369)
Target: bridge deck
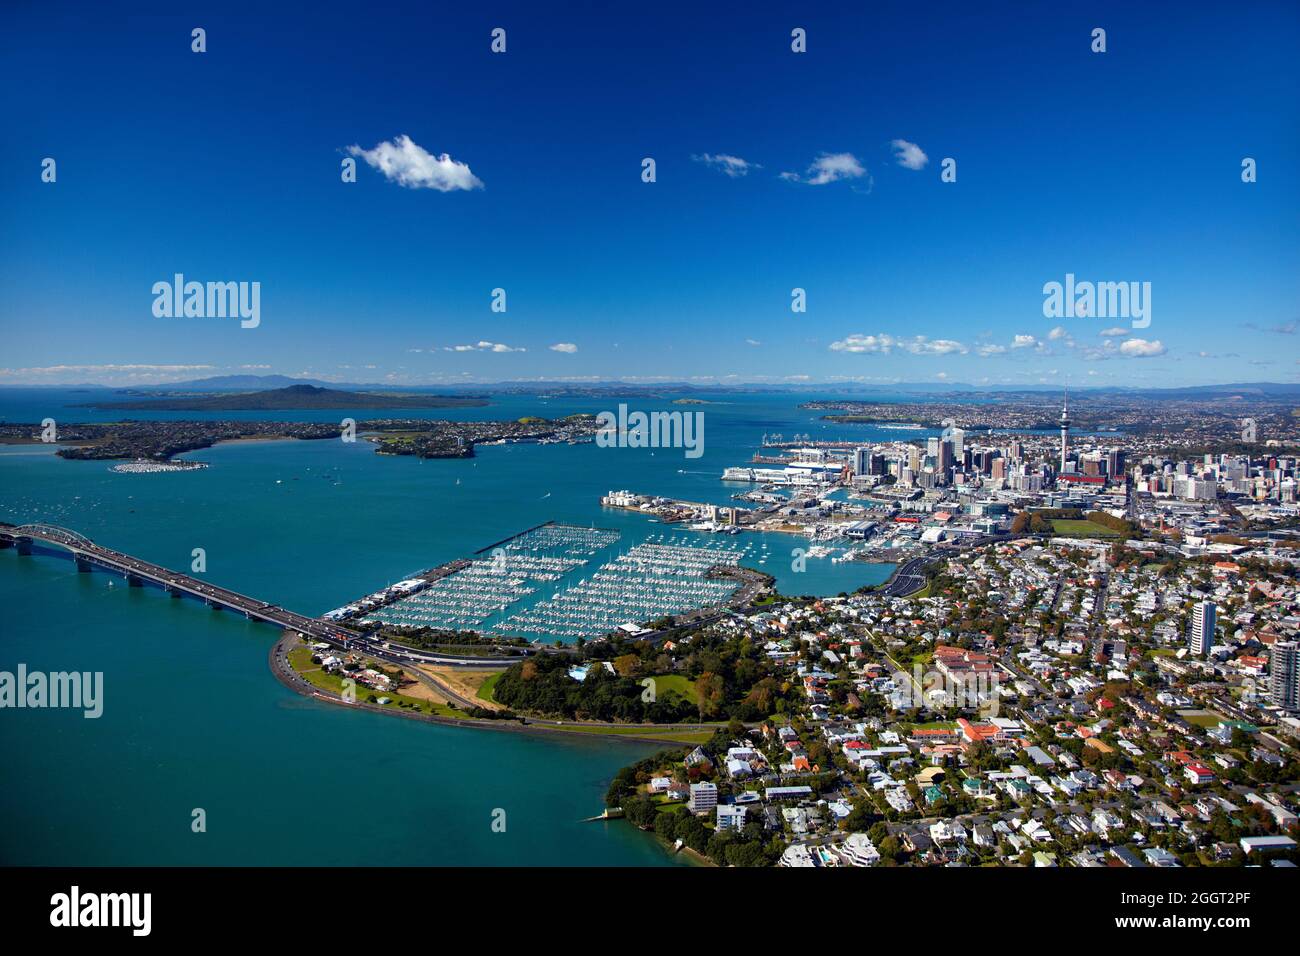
(83,549)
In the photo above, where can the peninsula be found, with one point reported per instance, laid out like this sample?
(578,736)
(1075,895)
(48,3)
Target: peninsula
(292,397)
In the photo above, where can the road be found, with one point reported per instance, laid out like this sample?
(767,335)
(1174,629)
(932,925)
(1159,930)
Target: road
(908,578)
(298,626)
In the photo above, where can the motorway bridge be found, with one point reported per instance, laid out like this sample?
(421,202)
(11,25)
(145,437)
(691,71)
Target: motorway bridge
(89,555)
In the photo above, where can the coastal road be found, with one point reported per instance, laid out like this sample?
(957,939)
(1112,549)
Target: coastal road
(284,672)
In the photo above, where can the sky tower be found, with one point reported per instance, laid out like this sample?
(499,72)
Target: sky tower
(1065,430)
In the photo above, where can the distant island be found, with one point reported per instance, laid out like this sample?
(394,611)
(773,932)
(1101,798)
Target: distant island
(292,397)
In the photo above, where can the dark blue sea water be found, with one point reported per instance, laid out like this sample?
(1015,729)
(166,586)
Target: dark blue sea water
(193,717)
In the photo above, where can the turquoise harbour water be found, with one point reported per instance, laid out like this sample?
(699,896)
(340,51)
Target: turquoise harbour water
(194,719)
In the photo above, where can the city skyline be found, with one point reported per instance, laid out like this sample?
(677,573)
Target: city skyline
(818,171)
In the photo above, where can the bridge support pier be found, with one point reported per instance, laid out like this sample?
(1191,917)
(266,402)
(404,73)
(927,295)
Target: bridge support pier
(174,592)
(134,581)
(83,565)
(6,543)
(24,545)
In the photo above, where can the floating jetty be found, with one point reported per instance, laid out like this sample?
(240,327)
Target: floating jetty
(499,578)
(542,584)
(648,582)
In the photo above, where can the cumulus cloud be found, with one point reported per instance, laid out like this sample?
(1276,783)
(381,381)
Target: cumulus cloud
(987,350)
(909,155)
(568,347)
(1058,333)
(1130,348)
(885,343)
(1113,332)
(1023,342)
(406,163)
(1141,348)
(829,168)
(732,166)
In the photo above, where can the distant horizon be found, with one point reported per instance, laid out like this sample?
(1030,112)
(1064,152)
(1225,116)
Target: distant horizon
(271,381)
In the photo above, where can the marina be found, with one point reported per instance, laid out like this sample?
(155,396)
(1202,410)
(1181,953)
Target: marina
(147,466)
(498,579)
(538,585)
(650,581)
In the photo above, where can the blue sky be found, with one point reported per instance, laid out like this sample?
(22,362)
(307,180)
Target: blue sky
(225,166)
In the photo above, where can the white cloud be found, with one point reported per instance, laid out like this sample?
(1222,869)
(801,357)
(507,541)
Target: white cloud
(1141,348)
(921,346)
(987,350)
(1058,333)
(885,343)
(829,168)
(1112,332)
(865,343)
(407,164)
(909,155)
(1023,342)
(567,347)
(753,342)
(732,166)
(483,347)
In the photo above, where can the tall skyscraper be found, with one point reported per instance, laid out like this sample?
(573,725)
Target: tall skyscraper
(1202,639)
(944,459)
(861,459)
(1065,431)
(1284,675)
(1115,463)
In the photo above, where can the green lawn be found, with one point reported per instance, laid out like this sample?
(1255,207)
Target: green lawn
(300,661)
(676,683)
(485,689)
(1072,528)
(1201,718)
(932,725)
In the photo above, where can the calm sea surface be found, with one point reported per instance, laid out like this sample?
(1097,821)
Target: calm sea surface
(194,719)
